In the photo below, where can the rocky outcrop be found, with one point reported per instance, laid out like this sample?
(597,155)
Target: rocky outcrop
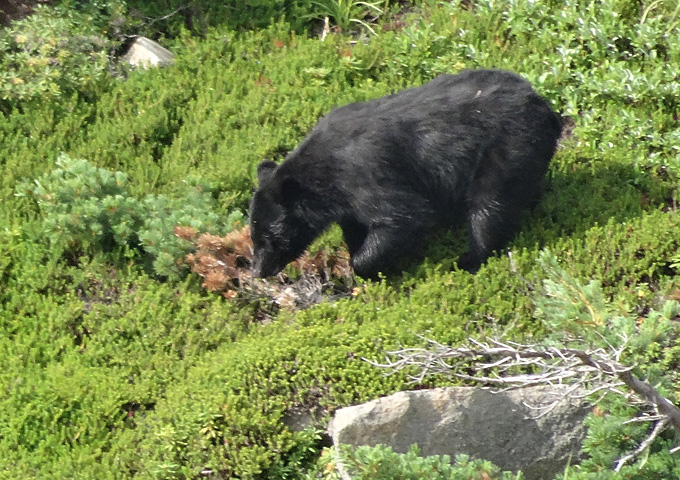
(500,427)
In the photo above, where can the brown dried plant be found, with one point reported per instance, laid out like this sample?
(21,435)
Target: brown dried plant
(224,263)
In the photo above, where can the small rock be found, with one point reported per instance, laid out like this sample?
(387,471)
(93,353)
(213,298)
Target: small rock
(298,420)
(498,427)
(146,53)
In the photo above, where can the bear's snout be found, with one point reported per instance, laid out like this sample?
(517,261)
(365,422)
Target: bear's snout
(264,266)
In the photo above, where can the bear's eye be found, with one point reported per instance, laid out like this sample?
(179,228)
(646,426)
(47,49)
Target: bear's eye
(272,242)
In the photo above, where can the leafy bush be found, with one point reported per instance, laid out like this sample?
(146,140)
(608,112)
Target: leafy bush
(346,13)
(382,463)
(89,209)
(171,17)
(580,316)
(52,53)
(87,351)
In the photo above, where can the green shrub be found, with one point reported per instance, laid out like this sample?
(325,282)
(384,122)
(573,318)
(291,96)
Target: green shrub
(200,15)
(344,14)
(580,316)
(382,463)
(108,373)
(195,209)
(53,53)
(87,352)
(88,209)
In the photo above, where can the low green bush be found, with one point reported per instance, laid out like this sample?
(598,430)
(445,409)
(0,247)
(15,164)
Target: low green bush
(111,373)
(89,210)
(52,53)
(171,17)
(579,315)
(88,350)
(382,463)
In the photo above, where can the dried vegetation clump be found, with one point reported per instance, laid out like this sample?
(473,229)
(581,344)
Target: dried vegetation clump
(224,263)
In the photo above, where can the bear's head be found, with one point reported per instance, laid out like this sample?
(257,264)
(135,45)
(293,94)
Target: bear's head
(279,225)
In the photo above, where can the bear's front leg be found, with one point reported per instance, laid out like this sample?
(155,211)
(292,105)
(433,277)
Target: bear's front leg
(380,248)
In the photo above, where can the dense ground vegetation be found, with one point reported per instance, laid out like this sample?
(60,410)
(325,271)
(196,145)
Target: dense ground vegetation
(116,363)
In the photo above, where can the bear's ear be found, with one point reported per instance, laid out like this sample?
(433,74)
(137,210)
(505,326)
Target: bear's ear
(265,170)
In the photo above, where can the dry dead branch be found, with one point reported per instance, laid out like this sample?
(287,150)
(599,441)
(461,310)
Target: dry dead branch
(504,365)
(326,29)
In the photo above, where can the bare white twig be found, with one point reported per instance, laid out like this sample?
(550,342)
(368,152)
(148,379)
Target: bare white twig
(644,418)
(325,30)
(644,445)
(165,17)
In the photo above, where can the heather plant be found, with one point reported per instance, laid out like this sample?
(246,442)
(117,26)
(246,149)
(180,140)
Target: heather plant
(109,372)
(382,463)
(172,17)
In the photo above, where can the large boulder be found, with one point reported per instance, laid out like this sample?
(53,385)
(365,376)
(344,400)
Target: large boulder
(504,428)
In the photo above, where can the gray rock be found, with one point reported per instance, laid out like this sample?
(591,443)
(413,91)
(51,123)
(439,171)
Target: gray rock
(146,53)
(498,427)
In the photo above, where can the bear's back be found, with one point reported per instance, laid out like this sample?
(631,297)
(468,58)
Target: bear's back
(472,99)
(430,139)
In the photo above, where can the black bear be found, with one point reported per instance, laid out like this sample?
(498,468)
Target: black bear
(471,147)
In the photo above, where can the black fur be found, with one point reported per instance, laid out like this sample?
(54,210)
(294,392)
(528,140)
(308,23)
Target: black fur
(469,147)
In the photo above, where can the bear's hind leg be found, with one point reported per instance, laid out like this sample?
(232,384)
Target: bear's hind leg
(492,226)
(504,187)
